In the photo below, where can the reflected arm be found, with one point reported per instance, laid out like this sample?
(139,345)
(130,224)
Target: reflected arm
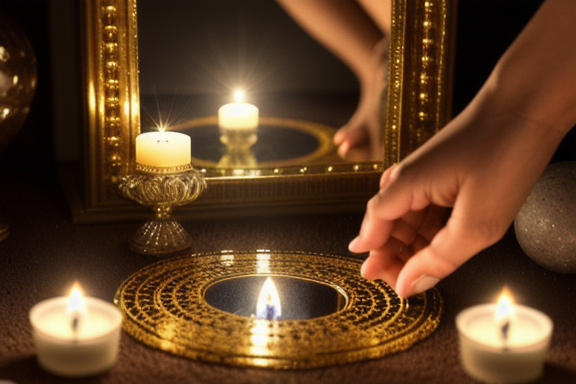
(356,32)
(342,26)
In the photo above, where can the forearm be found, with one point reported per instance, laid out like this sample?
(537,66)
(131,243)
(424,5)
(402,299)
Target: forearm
(341,26)
(536,77)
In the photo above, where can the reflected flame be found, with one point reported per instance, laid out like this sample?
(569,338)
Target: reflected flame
(260,338)
(268,306)
(263,263)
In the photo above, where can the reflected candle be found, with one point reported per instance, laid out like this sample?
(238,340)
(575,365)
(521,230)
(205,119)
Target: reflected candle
(76,336)
(503,345)
(163,149)
(238,115)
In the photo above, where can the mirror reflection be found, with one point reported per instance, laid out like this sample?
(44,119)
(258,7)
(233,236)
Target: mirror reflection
(275,297)
(193,56)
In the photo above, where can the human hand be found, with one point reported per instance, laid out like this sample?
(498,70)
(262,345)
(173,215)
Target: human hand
(483,164)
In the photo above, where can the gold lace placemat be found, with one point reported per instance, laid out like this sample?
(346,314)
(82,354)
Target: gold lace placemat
(165,308)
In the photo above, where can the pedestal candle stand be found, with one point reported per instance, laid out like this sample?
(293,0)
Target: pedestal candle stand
(162,189)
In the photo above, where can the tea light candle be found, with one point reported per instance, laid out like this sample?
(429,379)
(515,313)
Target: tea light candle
(238,115)
(163,149)
(76,336)
(503,348)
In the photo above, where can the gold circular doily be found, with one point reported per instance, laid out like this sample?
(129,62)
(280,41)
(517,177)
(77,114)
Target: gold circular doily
(164,308)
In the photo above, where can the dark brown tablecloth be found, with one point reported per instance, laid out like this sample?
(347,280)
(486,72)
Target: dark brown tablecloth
(45,253)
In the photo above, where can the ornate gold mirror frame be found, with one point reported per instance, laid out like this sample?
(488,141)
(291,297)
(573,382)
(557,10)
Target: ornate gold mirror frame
(418,104)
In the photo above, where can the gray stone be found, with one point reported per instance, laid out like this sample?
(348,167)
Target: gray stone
(546,224)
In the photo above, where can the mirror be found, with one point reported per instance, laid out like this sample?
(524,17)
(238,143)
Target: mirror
(193,55)
(417,105)
(275,297)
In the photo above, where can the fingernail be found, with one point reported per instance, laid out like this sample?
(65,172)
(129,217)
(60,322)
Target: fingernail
(423,283)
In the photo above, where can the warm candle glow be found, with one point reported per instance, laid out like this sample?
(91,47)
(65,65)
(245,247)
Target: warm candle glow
(268,306)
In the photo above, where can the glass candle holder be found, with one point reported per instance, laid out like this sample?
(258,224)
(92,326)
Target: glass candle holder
(162,189)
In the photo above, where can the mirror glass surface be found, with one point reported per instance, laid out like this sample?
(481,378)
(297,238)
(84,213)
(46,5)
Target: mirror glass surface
(299,298)
(193,56)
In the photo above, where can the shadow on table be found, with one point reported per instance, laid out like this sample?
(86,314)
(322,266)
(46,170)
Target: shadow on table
(27,371)
(556,374)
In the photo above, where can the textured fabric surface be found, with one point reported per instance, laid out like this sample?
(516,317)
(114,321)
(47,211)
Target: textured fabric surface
(45,253)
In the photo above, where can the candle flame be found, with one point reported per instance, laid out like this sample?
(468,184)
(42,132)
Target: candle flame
(503,315)
(75,299)
(268,306)
(239,96)
(504,307)
(76,307)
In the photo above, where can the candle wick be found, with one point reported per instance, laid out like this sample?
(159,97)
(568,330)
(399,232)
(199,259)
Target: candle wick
(75,325)
(505,330)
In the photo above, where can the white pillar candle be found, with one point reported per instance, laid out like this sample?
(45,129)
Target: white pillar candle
(78,342)
(492,355)
(163,149)
(238,115)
